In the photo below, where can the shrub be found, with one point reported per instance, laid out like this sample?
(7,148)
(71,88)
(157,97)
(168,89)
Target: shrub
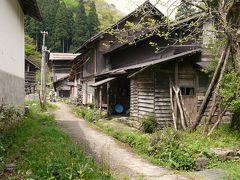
(149,124)
(167,147)
(9,115)
(88,114)
(235,109)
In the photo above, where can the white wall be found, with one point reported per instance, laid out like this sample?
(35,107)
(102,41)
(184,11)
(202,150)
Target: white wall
(11,52)
(11,38)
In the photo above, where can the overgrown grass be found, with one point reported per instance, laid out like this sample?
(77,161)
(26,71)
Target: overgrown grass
(162,149)
(178,150)
(88,114)
(40,150)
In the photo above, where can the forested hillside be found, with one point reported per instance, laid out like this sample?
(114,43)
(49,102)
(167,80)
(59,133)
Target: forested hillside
(70,22)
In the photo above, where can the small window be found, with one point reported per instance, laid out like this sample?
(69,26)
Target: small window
(187,91)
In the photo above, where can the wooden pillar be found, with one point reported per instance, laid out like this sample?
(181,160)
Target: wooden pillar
(100,100)
(108,103)
(176,84)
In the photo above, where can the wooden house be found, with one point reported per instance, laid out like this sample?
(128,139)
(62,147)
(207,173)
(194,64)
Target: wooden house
(60,66)
(31,69)
(12,58)
(93,59)
(64,87)
(135,80)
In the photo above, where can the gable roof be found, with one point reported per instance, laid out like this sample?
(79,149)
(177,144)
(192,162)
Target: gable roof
(147,3)
(30,8)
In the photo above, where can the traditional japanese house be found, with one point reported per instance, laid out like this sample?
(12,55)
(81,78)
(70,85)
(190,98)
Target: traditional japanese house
(31,69)
(136,80)
(94,60)
(60,66)
(63,87)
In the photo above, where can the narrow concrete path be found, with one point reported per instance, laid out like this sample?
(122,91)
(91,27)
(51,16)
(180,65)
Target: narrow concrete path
(107,151)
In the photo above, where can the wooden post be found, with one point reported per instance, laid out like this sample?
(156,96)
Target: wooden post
(100,100)
(176,85)
(172,107)
(108,99)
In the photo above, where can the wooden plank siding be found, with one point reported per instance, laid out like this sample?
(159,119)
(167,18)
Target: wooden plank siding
(150,96)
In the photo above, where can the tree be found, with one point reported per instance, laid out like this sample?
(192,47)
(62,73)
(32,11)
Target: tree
(93,22)
(184,10)
(30,50)
(80,31)
(49,11)
(60,29)
(33,29)
(70,23)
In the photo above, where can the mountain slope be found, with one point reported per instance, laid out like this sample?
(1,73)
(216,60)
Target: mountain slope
(107,13)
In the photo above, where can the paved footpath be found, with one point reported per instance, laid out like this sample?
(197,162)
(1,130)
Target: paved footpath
(109,152)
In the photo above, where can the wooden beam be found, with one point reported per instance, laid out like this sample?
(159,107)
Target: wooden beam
(141,70)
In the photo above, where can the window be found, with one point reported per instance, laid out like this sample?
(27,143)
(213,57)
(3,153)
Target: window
(187,91)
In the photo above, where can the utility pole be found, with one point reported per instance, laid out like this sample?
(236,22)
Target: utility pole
(43,72)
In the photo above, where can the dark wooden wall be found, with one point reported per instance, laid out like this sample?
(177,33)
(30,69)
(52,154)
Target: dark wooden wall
(135,54)
(30,77)
(150,95)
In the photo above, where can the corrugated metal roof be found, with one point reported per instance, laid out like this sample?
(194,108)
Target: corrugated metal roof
(62,56)
(30,8)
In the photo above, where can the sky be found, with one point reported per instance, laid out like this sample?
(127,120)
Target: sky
(165,6)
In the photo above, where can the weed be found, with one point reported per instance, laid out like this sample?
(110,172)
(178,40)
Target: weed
(149,124)
(41,150)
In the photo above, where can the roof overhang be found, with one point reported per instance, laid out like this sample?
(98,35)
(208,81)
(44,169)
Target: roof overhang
(62,56)
(100,83)
(30,8)
(153,62)
(203,64)
(146,4)
(31,62)
(61,79)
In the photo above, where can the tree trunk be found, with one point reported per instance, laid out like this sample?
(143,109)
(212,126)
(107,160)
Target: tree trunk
(214,106)
(213,83)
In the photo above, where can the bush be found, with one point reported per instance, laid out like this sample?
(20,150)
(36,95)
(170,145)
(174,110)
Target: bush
(149,124)
(235,109)
(167,147)
(87,114)
(9,115)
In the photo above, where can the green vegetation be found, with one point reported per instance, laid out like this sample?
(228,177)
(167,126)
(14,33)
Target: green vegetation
(93,22)
(40,150)
(88,114)
(149,124)
(70,22)
(80,27)
(9,115)
(177,149)
(31,51)
(184,10)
